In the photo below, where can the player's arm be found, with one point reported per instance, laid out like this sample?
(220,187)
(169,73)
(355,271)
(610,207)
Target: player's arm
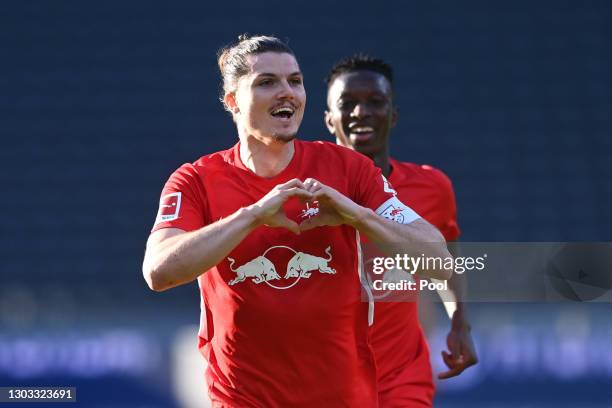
(453,297)
(461,352)
(174,257)
(416,238)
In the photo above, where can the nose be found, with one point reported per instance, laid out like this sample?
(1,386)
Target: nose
(286,91)
(360,110)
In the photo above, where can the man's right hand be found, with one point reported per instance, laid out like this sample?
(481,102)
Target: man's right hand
(269,209)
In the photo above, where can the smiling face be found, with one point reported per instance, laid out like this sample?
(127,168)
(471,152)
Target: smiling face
(360,111)
(269,101)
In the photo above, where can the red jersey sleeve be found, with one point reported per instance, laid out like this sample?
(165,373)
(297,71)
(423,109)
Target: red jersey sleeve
(371,187)
(375,192)
(183,201)
(450,228)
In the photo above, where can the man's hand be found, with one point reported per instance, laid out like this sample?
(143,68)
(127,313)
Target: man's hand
(462,353)
(269,209)
(334,207)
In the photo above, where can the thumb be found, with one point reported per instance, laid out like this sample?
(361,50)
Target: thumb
(454,347)
(281,220)
(311,223)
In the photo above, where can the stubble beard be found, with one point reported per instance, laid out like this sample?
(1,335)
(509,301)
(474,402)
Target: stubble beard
(285,138)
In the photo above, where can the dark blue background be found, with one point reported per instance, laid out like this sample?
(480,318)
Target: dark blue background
(101,101)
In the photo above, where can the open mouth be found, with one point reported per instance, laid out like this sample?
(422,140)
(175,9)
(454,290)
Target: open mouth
(361,133)
(283,112)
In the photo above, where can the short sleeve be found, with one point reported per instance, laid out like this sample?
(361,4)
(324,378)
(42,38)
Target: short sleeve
(450,227)
(374,191)
(183,201)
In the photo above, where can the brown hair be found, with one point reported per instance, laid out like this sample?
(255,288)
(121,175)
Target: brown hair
(232,59)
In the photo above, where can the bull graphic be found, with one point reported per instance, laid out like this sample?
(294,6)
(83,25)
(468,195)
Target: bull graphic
(260,269)
(310,212)
(302,264)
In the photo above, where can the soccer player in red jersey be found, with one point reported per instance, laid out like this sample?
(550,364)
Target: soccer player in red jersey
(270,228)
(360,115)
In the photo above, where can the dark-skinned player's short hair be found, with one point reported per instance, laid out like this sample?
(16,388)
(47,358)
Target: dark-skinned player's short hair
(360,62)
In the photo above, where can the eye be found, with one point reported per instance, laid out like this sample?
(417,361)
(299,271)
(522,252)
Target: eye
(265,82)
(377,102)
(295,81)
(346,104)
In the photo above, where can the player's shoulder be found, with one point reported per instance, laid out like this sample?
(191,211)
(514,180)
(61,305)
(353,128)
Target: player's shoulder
(424,172)
(206,164)
(216,159)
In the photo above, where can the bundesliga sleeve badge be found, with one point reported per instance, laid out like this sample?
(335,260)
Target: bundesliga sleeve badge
(169,207)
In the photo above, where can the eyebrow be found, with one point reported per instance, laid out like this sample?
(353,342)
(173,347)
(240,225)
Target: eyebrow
(269,74)
(370,93)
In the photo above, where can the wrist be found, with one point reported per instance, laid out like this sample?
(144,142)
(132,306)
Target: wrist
(252,214)
(359,217)
(459,321)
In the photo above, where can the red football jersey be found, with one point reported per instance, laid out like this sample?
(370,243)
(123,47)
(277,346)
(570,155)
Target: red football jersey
(400,349)
(283,324)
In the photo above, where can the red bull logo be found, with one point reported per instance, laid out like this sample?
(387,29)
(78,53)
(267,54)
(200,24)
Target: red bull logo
(300,266)
(260,269)
(393,213)
(311,211)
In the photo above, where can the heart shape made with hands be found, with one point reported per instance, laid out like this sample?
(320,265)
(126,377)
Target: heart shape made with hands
(326,208)
(326,216)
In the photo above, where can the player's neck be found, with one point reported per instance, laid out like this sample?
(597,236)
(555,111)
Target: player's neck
(382,161)
(266,160)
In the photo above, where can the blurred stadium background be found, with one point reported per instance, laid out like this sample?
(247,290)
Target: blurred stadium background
(101,101)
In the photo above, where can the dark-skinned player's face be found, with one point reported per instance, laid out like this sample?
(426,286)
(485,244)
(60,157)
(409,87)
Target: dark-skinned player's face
(360,111)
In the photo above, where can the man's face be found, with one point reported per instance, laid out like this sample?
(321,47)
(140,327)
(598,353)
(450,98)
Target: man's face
(360,111)
(269,101)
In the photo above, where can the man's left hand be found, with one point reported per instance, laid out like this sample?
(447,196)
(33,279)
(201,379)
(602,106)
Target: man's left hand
(461,353)
(334,207)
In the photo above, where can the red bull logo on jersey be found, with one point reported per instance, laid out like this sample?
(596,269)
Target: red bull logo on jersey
(311,211)
(394,214)
(300,266)
(394,210)
(260,269)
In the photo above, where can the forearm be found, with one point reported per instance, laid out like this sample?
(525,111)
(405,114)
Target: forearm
(181,259)
(415,239)
(454,297)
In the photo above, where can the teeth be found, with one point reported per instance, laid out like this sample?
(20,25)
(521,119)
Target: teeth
(283,109)
(362,129)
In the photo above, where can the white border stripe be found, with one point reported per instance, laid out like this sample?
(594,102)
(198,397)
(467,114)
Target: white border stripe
(203,331)
(364,281)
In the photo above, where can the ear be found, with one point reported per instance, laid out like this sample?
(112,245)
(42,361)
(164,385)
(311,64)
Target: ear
(230,102)
(328,122)
(394,116)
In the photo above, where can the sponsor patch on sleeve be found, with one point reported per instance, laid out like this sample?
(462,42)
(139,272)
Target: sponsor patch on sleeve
(169,207)
(394,210)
